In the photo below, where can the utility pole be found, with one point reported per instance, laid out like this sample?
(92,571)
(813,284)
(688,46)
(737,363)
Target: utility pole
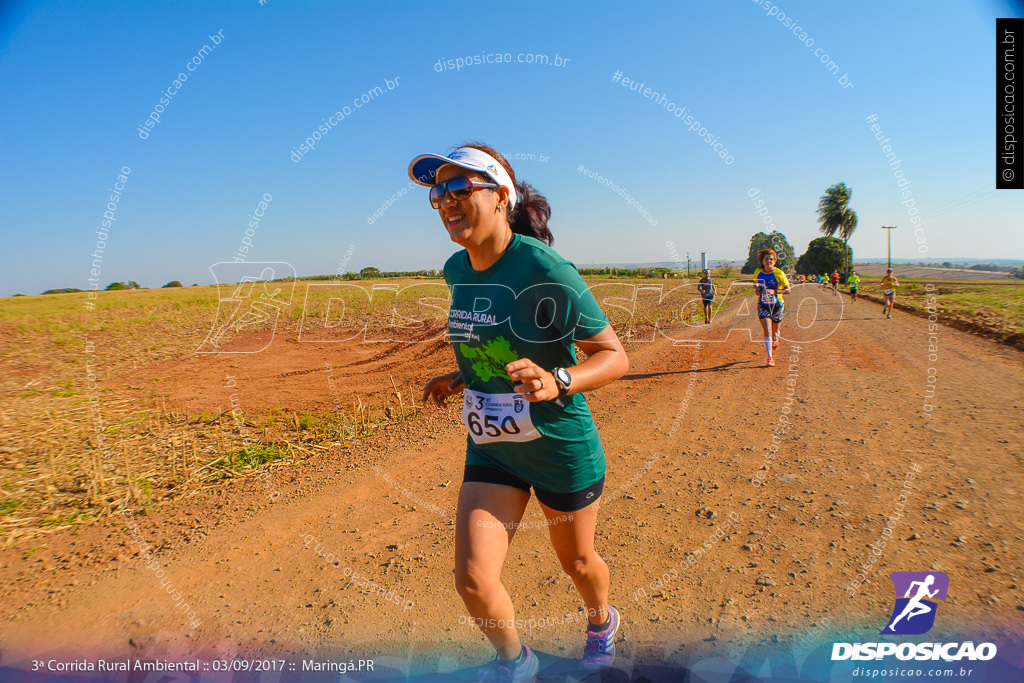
(687,264)
(890,228)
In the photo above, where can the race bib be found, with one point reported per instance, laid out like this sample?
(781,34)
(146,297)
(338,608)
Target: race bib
(494,418)
(888,291)
(767,298)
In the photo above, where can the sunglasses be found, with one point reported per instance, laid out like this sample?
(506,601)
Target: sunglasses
(458,188)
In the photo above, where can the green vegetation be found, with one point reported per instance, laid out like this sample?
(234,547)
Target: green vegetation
(131,284)
(823,255)
(172,283)
(773,240)
(254,456)
(66,392)
(55,521)
(835,215)
(997,307)
(626,273)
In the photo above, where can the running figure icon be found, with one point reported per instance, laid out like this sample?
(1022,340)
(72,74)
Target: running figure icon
(915,607)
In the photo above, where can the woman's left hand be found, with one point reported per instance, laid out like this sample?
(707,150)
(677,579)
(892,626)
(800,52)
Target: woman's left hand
(537,383)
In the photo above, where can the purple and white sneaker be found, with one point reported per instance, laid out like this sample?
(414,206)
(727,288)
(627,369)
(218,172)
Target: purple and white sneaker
(600,649)
(526,671)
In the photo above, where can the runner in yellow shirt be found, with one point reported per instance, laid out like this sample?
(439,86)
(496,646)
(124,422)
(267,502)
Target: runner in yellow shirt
(770,283)
(889,285)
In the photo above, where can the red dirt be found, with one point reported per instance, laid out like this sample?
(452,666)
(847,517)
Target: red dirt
(676,469)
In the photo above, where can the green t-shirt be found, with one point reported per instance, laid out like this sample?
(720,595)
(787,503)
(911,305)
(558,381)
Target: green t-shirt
(531,303)
(853,280)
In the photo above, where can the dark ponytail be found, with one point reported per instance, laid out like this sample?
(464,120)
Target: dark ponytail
(532,211)
(530,217)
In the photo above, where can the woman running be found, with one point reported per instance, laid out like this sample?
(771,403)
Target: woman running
(770,284)
(517,309)
(889,285)
(853,281)
(834,278)
(706,287)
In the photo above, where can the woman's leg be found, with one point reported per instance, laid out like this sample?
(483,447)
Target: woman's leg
(487,517)
(573,540)
(765,322)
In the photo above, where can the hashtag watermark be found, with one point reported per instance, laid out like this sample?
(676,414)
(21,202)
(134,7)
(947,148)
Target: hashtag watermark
(679,112)
(103,233)
(902,183)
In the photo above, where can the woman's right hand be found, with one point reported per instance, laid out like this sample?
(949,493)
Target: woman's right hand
(440,388)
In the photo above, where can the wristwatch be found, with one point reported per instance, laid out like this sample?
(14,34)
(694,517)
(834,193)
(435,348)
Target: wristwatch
(563,379)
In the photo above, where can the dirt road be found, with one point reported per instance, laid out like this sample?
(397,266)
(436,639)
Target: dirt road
(687,436)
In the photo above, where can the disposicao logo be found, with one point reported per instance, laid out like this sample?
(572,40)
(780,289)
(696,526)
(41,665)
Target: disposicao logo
(917,594)
(914,613)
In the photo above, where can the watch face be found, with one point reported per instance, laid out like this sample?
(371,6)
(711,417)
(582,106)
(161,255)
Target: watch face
(562,375)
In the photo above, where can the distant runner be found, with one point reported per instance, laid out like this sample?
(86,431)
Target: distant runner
(824,281)
(706,287)
(835,282)
(853,281)
(770,284)
(889,285)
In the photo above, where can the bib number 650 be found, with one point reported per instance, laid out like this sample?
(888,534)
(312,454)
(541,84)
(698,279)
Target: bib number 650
(491,424)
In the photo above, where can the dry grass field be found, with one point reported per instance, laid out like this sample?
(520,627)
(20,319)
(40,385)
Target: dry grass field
(231,434)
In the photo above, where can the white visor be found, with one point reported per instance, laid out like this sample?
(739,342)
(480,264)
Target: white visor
(423,169)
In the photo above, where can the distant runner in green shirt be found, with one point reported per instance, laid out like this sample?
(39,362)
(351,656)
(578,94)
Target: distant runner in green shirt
(853,281)
(517,312)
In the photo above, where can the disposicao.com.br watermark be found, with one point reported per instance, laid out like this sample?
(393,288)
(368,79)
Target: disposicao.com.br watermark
(309,144)
(621,191)
(499,58)
(773,10)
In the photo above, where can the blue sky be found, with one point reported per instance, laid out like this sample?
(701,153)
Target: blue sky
(77,80)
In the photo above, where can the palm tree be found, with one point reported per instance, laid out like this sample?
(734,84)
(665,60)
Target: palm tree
(835,215)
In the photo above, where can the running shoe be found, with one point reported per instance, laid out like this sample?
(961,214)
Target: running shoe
(771,362)
(501,673)
(775,343)
(599,651)
(889,317)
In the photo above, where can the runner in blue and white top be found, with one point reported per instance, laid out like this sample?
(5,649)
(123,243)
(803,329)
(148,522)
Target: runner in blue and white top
(770,283)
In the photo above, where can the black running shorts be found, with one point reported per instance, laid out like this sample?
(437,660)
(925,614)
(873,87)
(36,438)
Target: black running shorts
(563,502)
(773,311)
